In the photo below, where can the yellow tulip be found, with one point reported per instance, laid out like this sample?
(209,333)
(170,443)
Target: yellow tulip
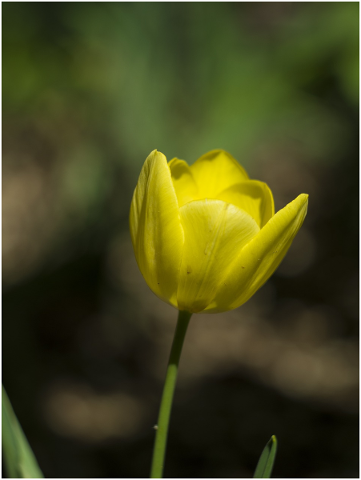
(205,236)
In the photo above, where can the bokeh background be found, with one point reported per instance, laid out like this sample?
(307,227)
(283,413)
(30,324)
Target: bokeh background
(89,89)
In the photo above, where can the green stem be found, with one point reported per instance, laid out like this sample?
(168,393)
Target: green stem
(167,397)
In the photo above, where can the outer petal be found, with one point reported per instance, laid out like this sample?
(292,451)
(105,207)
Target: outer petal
(183,181)
(215,171)
(252,196)
(214,231)
(260,257)
(155,228)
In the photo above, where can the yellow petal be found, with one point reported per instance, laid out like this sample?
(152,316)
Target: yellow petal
(256,262)
(155,228)
(183,181)
(214,232)
(252,196)
(215,171)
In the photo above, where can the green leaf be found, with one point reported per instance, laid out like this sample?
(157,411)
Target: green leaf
(266,460)
(19,459)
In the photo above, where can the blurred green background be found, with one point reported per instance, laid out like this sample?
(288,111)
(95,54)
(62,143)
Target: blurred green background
(89,89)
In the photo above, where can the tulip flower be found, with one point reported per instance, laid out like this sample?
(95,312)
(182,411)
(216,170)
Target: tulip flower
(205,236)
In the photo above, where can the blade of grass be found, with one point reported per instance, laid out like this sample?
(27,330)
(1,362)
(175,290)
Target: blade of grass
(266,460)
(19,459)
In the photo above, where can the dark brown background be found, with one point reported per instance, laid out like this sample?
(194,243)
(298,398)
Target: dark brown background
(88,91)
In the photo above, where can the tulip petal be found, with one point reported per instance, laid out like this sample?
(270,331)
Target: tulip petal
(183,181)
(258,259)
(155,227)
(252,196)
(214,232)
(215,171)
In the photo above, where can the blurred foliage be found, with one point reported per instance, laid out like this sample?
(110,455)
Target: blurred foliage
(185,78)
(89,89)
(267,458)
(18,456)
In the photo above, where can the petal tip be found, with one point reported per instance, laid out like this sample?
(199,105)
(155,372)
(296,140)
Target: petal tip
(301,201)
(156,155)
(303,196)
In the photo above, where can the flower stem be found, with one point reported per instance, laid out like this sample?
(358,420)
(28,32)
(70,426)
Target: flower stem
(167,397)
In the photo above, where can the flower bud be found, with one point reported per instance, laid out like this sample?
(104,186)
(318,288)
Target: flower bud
(205,236)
